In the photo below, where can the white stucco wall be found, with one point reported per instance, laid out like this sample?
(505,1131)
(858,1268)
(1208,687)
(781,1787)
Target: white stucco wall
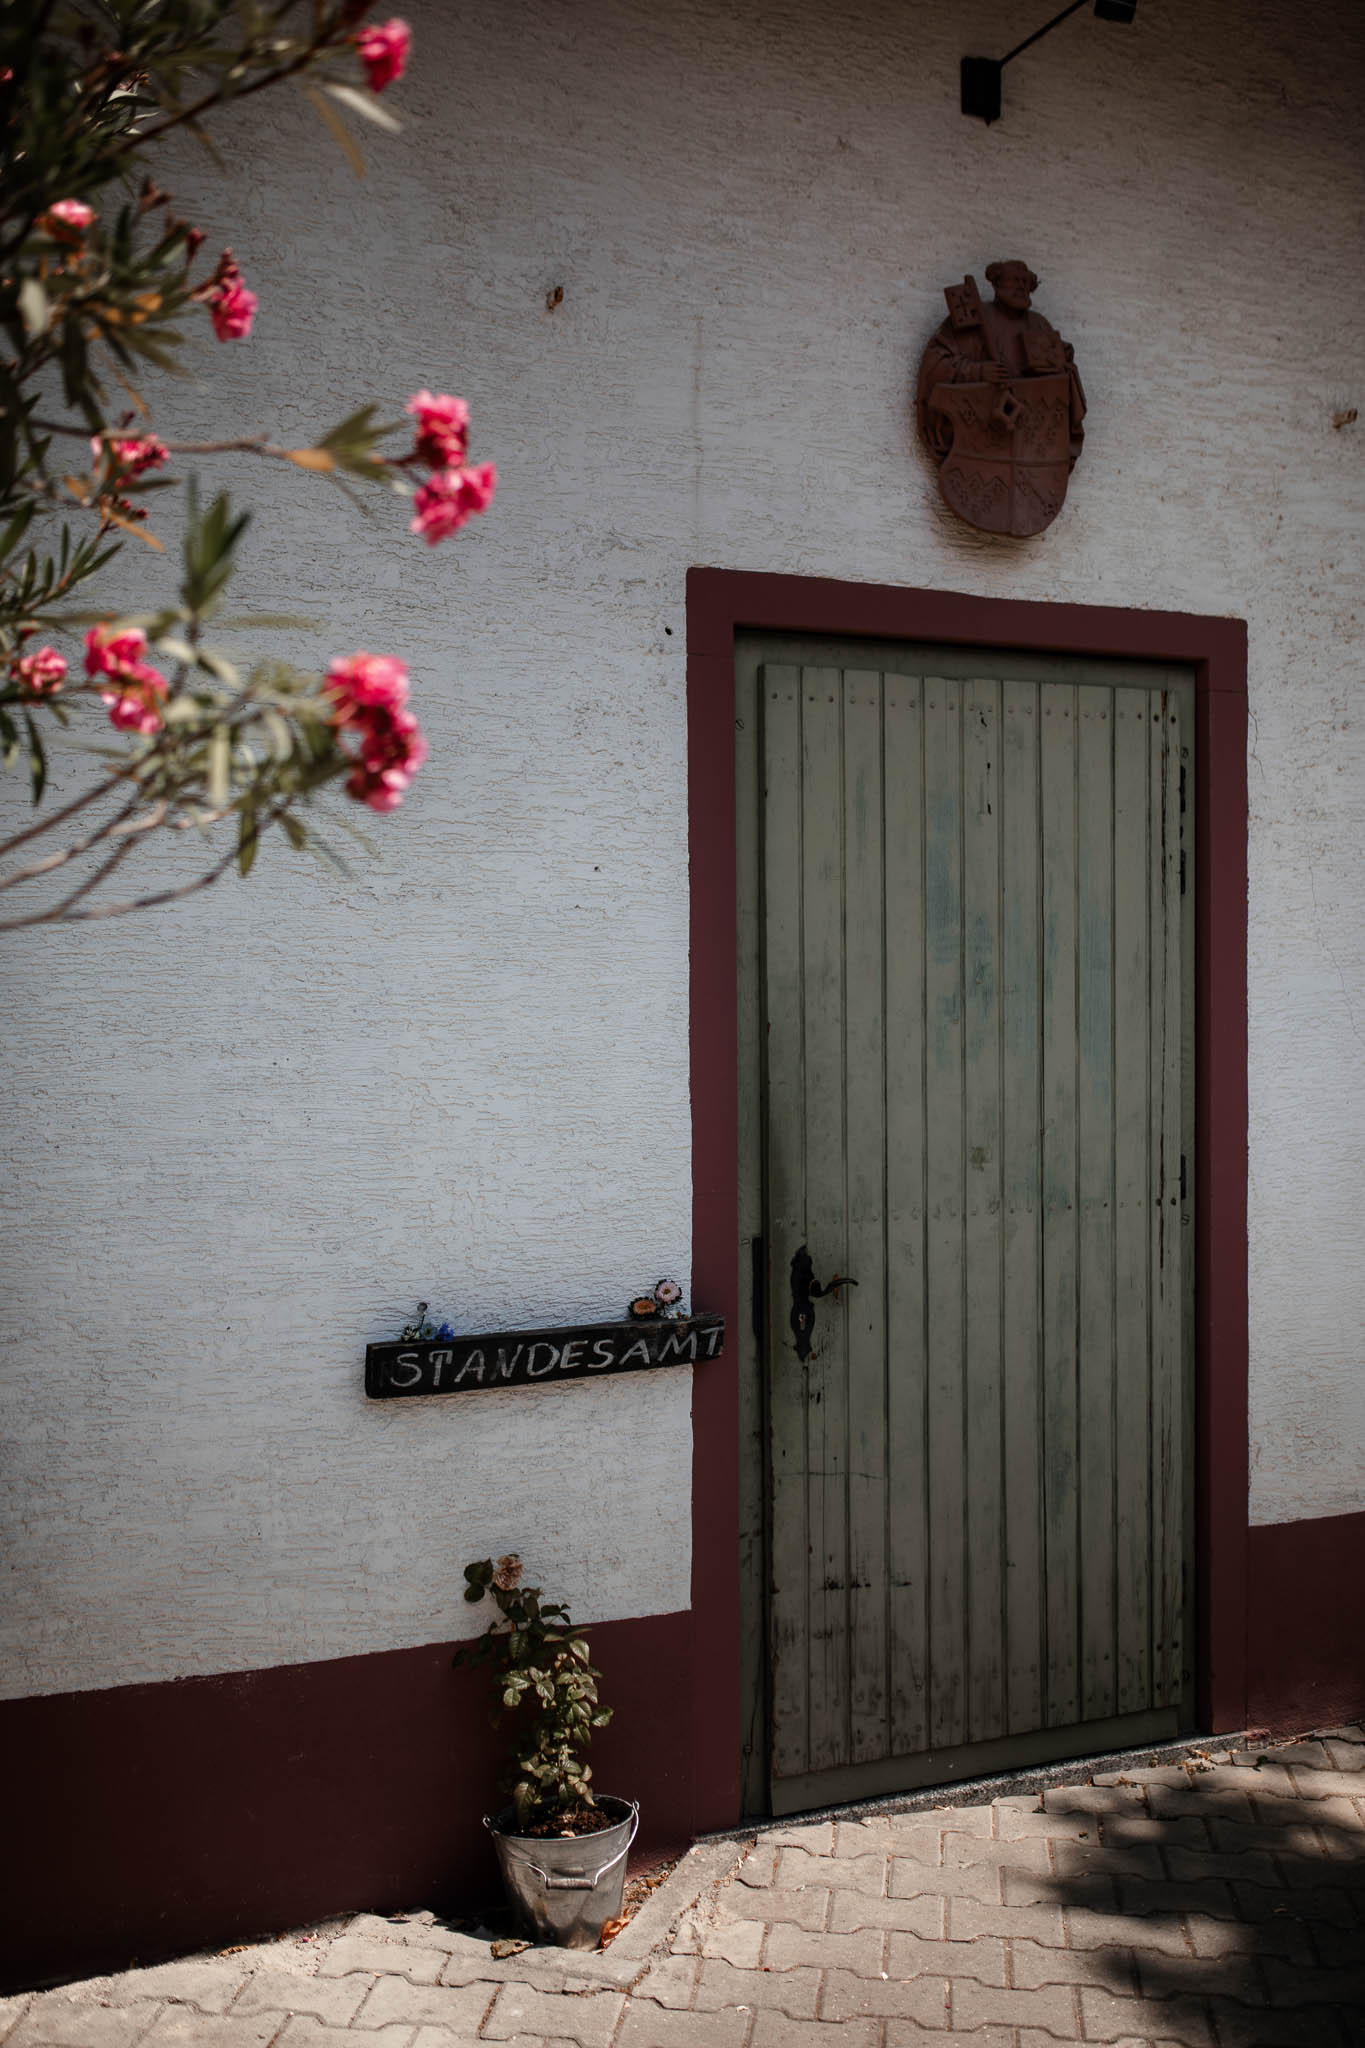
(247,1135)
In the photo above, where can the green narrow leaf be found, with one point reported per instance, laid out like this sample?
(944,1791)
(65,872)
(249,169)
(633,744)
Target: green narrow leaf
(337,129)
(9,739)
(366,105)
(37,759)
(33,306)
(297,834)
(248,839)
(217,777)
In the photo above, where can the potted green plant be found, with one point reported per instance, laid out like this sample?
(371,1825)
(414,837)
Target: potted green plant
(561,1847)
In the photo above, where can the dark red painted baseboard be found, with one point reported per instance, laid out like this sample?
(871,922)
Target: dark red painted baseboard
(1306,1623)
(155,1819)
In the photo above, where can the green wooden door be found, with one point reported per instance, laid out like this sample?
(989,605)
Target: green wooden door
(967,1027)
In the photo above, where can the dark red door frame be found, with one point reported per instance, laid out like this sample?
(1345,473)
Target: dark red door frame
(718,602)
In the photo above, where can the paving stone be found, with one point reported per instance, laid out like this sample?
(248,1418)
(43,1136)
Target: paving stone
(1101,1859)
(859,1950)
(646,2026)
(1279,1936)
(1146,1895)
(922,1999)
(923,1914)
(1342,1812)
(805,1908)
(1094,1799)
(672,1981)
(69,2021)
(394,1999)
(205,1982)
(759,1866)
(721,1985)
(1230,1838)
(1194,1802)
(417,1930)
(797,1867)
(967,1852)
(1337,1948)
(1034,1965)
(818,1838)
(1310,1903)
(334,1999)
(1310,2027)
(734,1941)
(967,1820)
(919,1844)
(180,2026)
(1051,2007)
(908,2034)
(1344,1756)
(1292,1984)
(776,2030)
(589,2018)
(1312,1752)
(1131,1830)
(306,2032)
(1095,1889)
(380,1958)
(967,1919)
(12,2011)
(1018,1821)
(1108,2018)
(954,1881)
(1161,1932)
(1235,1975)
(908,1956)
(1195,1866)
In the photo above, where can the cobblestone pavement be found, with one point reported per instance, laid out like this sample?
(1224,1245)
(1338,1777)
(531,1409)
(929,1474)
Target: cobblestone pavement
(1219,1904)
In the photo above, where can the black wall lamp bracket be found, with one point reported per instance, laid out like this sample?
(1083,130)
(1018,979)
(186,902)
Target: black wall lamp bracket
(981,75)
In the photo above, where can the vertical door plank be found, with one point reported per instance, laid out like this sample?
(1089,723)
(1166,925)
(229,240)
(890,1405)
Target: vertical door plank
(907,1304)
(1133,1157)
(944,1192)
(864,1309)
(789,1615)
(1060,1195)
(1021,1221)
(1095,1153)
(981,1138)
(822,889)
(1170,1451)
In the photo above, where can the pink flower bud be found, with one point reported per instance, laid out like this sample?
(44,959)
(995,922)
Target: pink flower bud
(442,428)
(43,671)
(66,219)
(448,499)
(383,50)
(129,458)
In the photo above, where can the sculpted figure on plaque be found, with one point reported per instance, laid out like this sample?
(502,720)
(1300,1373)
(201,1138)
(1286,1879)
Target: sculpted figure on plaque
(1000,405)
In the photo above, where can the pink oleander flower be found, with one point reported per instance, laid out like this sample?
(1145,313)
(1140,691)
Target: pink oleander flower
(449,498)
(442,428)
(132,698)
(383,50)
(67,219)
(232,308)
(43,671)
(365,682)
(391,751)
(130,458)
(134,707)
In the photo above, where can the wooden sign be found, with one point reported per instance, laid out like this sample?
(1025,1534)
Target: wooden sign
(538,1358)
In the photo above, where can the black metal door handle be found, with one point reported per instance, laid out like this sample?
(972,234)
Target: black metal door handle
(806,1291)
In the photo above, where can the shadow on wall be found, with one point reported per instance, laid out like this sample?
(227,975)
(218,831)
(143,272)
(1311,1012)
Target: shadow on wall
(1233,1894)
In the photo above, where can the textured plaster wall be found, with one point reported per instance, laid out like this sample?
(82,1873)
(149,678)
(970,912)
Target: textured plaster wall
(247,1135)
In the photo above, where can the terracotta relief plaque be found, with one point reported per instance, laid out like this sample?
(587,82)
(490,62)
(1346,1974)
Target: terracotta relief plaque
(1000,405)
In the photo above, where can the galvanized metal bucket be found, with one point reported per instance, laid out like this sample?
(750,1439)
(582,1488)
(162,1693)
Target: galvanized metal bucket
(564,1888)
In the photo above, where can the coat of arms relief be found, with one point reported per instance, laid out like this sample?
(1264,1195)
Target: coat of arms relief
(1000,405)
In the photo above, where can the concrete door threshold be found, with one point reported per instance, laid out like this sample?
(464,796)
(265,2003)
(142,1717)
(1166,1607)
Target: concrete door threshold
(1001,1785)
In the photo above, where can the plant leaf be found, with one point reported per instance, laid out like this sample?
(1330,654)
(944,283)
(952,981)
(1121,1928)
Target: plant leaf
(366,105)
(337,129)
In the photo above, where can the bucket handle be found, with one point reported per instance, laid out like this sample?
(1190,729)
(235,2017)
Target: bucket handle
(587,1884)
